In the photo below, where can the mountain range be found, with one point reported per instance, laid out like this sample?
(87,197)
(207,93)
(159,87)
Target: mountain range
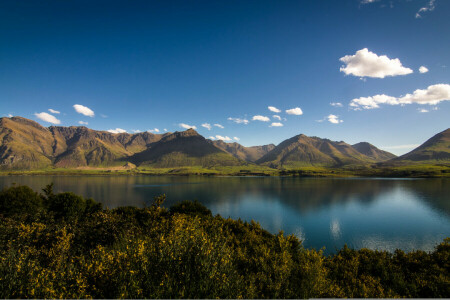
(25,144)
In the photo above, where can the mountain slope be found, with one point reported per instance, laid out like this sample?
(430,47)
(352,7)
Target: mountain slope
(186,148)
(373,152)
(436,149)
(302,150)
(250,154)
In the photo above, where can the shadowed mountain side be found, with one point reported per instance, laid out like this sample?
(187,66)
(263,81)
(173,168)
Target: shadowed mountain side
(436,150)
(27,145)
(373,152)
(302,150)
(250,154)
(186,148)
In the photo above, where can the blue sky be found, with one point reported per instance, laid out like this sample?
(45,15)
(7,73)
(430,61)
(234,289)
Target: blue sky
(141,65)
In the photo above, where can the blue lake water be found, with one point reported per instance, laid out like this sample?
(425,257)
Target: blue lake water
(383,214)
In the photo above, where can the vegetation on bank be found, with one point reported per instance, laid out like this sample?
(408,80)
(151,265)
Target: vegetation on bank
(65,246)
(413,171)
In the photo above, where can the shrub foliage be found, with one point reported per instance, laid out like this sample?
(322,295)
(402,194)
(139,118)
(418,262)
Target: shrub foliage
(64,246)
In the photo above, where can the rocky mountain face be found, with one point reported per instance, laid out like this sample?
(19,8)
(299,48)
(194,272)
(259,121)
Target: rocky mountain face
(373,152)
(250,154)
(436,149)
(301,150)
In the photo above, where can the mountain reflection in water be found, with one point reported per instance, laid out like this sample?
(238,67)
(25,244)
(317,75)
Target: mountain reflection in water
(324,212)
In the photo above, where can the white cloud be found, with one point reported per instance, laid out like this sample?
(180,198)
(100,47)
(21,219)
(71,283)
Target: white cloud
(212,138)
(117,130)
(334,119)
(207,126)
(153,130)
(218,125)
(274,109)
(223,138)
(433,95)
(238,120)
(423,69)
(336,104)
(410,146)
(165,130)
(423,110)
(277,117)
(53,111)
(429,7)
(10,115)
(84,110)
(83,123)
(368,1)
(295,111)
(47,118)
(276,124)
(236,138)
(372,102)
(260,118)
(368,64)
(103,116)
(186,126)
(136,130)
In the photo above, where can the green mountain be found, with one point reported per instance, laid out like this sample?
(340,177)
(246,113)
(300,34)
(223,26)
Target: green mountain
(373,152)
(250,154)
(434,150)
(301,151)
(186,148)
(27,145)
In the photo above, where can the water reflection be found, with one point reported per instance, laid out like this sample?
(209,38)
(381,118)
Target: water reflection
(374,213)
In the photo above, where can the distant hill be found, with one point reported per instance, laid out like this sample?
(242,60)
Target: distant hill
(250,154)
(302,150)
(186,148)
(436,149)
(373,152)
(26,144)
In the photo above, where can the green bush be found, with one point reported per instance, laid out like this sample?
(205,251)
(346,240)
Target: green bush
(19,200)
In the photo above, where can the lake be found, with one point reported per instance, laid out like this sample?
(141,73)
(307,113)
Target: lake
(383,214)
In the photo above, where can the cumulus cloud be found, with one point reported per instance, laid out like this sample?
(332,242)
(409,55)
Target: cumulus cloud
(423,69)
(334,119)
(429,7)
(83,123)
(53,111)
(277,117)
(84,110)
(218,125)
(260,118)
(295,111)
(212,138)
(207,126)
(423,110)
(274,109)
(136,130)
(368,64)
(47,118)
(165,130)
(117,130)
(10,115)
(433,95)
(238,120)
(368,1)
(276,124)
(186,126)
(223,138)
(236,138)
(336,104)
(154,130)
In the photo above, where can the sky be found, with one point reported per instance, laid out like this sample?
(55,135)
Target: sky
(255,72)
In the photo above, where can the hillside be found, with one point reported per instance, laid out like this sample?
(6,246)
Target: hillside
(373,152)
(186,148)
(434,150)
(301,150)
(250,154)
